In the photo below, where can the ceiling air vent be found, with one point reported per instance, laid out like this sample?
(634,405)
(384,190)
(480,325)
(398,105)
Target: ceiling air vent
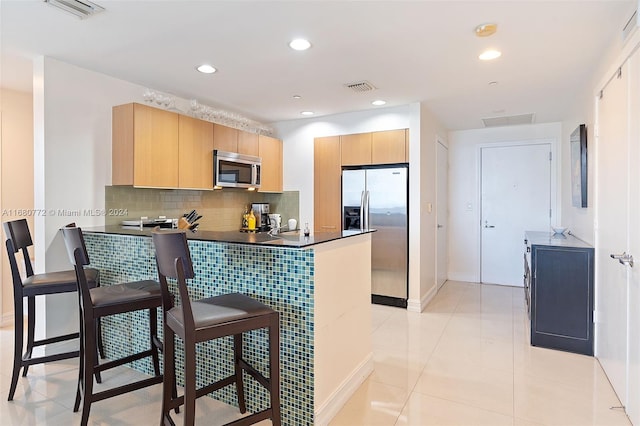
(79,8)
(360,86)
(508,120)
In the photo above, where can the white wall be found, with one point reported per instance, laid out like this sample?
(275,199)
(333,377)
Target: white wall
(424,129)
(72,132)
(16,177)
(464,189)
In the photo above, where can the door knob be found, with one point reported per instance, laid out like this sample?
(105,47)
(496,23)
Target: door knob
(486,224)
(624,258)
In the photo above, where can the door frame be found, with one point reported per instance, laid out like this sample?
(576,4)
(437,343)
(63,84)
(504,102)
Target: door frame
(441,142)
(554,193)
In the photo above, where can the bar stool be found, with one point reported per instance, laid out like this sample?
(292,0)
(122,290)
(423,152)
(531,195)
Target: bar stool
(103,301)
(19,238)
(208,319)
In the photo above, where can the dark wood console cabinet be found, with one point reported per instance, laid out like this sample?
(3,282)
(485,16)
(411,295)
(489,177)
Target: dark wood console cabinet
(559,291)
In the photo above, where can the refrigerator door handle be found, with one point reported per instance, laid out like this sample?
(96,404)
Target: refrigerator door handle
(366,211)
(362,210)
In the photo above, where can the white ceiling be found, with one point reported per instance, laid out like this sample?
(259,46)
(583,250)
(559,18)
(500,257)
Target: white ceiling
(412,51)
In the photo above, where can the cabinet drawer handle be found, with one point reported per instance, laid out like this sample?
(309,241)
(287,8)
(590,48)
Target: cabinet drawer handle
(624,258)
(328,227)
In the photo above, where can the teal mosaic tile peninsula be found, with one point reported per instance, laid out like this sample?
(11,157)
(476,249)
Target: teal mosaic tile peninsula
(282,278)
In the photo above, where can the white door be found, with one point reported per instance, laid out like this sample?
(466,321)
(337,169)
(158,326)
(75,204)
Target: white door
(442,215)
(516,197)
(612,233)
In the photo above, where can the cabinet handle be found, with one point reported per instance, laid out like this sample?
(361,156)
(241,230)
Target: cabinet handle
(528,249)
(624,258)
(486,224)
(328,226)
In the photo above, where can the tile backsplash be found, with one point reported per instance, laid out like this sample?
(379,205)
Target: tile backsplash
(221,210)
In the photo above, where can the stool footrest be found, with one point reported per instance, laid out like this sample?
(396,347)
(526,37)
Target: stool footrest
(255,373)
(107,365)
(176,402)
(55,339)
(252,419)
(129,387)
(49,358)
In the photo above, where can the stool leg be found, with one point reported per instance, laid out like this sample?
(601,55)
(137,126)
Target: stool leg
(80,388)
(100,342)
(31,329)
(153,337)
(237,356)
(189,382)
(87,378)
(169,382)
(18,341)
(274,369)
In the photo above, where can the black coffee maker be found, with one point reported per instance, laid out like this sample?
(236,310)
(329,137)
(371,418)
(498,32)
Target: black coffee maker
(261,212)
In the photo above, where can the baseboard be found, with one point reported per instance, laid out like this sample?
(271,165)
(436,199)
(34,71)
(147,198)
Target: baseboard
(418,306)
(325,413)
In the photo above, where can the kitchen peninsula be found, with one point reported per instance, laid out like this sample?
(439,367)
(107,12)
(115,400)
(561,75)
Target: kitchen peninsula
(319,284)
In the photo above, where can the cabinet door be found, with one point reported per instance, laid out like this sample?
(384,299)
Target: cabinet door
(388,147)
(122,145)
(195,142)
(248,143)
(225,138)
(155,134)
(356,149)
(326,184)
(270,150)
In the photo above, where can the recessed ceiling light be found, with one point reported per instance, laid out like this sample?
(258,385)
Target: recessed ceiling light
(206,69)
(485,30)
(378,102)
(493,83)
(307,113)
(297,97)
(490,54)
(299,44)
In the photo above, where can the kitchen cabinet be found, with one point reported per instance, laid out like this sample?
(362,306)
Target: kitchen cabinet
(560,289)
(195,158)
(389,147)
(355,149)
(385,147)
(234,140)
(144,146)
(270,151)
(327,184)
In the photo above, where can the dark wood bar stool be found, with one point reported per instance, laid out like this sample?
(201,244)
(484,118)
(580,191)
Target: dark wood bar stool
(103,301)
(208,319)
(19,238)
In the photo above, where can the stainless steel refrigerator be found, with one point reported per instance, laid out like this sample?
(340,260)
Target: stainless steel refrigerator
(376,197)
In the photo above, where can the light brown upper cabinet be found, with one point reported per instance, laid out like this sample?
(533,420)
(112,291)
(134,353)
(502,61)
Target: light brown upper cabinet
(144,146)
(389,147)
(225,138)
(195,141)
(248,143)
(355,149)
(327,186)
(270,150)
(234,140)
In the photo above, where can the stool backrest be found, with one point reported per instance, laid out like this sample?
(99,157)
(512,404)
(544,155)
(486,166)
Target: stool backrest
(18,238)
(173,260)
(77,251)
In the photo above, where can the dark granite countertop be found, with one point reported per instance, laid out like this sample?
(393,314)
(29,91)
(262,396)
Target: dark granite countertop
(550,239)
(287,239)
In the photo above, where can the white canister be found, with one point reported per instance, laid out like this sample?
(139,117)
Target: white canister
(292,224)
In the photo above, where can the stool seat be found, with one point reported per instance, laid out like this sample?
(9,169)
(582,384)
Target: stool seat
(57,282)
(137,292)
(218,310)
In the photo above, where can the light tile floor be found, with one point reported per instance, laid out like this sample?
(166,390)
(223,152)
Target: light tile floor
(465,360)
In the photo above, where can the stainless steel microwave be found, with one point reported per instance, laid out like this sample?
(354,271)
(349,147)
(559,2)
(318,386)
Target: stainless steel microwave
(235,170)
